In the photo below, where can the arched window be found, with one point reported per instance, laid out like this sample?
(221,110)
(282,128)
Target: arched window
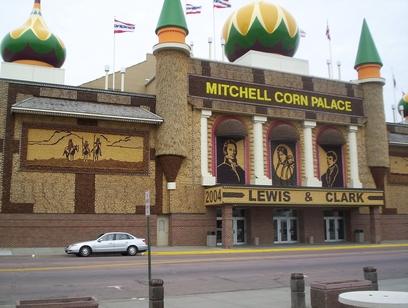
(283,139)
(330,143)
(230,151)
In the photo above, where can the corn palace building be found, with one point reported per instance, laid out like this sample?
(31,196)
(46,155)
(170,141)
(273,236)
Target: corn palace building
(254,152)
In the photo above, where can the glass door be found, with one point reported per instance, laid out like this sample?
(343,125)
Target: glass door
(285,229)
(239,231)
(333,229)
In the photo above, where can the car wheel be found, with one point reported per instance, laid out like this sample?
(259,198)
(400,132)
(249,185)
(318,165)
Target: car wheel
(132,250)
(85,251)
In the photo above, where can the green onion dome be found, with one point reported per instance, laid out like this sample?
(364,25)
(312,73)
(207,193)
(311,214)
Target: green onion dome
(33,43)
(260,26)
(404,103)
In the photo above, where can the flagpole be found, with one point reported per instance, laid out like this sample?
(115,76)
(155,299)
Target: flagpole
(215,55)
(114,56)
(330,52)
(395,99)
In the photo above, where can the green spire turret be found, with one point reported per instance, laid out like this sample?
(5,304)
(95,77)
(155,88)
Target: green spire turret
(172,15)
(367,52)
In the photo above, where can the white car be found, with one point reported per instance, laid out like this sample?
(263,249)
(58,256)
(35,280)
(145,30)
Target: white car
(121,242)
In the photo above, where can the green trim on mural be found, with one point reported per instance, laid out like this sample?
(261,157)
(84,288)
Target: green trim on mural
(172,15)
(29,47)
(367,52)
(259,39)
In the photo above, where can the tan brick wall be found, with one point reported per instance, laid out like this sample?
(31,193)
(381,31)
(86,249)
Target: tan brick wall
(365,174)
(171,103)
(58,93)
(280,79)
(49,192)
(376,131)
(233,72)
(121,194)
(397,198)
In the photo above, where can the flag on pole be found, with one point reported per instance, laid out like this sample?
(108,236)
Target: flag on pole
(120,27)
(328,32)
(221,4)
(193,9)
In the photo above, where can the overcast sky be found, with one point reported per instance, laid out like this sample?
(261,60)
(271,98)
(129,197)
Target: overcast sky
(86,28)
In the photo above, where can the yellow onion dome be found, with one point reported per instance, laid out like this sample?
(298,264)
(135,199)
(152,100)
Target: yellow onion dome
(33,43)
(404,103)
(260,26)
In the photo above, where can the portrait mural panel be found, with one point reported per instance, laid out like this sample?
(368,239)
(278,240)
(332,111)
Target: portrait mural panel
(284,165)
(331,165)
(73,149)
(230,161)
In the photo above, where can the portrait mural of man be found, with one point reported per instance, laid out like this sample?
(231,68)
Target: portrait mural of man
(284,164)
(331,166)
(230,154)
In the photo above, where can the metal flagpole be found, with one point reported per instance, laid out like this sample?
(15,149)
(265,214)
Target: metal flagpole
(394,103)
(114,55)
(330,51)
(215,50)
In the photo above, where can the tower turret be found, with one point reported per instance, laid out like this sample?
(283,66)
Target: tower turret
(172,58)
(368,65)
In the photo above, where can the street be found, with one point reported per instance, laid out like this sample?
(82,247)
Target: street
(110,277)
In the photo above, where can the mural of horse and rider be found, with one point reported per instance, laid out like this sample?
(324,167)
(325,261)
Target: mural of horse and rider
(65,148)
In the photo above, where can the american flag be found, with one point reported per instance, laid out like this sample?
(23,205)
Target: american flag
(221,4)
(193,9)
(120,27)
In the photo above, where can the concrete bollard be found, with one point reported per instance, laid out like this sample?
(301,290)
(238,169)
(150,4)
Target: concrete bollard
(156,293)
(370,273)
(297,290)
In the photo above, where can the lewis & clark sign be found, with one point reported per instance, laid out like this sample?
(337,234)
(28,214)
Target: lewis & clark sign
(219,195)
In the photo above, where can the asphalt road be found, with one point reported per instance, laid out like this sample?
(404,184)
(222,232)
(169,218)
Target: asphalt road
(118,277)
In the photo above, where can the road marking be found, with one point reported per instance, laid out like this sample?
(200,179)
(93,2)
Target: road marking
(143,263)
(249,250)
(115,287)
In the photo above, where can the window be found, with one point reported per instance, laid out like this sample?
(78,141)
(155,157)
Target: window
(330,153)
(122,236)
(283,140)
(108,237)
(230,152)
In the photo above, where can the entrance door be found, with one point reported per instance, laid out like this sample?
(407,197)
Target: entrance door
(333,229)
(285,229)
(162,231)
(239,230)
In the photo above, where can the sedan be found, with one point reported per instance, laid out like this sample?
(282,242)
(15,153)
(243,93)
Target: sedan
(121,242)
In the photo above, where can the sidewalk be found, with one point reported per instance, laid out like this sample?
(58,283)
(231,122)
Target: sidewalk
(266,298)
(186,250)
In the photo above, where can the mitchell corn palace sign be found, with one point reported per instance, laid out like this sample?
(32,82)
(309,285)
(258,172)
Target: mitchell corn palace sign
(221,89)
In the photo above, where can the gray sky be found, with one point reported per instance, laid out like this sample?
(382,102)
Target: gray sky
(86,28)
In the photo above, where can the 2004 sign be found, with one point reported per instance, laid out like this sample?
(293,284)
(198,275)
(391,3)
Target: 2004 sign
(213,196)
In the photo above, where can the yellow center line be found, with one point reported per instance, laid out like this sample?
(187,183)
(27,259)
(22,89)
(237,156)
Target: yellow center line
(280,249)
